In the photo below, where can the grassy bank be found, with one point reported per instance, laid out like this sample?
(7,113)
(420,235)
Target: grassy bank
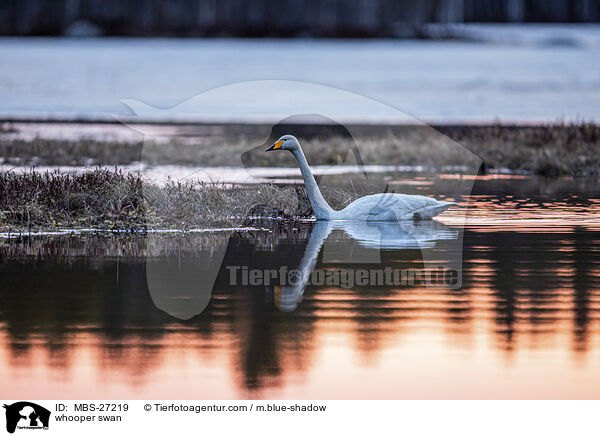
(105,199)
(550,150)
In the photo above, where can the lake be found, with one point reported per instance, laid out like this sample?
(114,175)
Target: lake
(509,73)
(96,315)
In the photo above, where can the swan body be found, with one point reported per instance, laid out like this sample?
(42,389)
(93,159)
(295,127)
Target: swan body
(374,207)
(391,207)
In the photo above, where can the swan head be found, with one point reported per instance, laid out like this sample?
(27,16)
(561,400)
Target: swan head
(286,142)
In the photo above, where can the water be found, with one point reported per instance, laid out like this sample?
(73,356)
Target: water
(77,315)
(525,73)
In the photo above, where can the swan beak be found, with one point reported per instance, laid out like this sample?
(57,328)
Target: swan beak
(275,146)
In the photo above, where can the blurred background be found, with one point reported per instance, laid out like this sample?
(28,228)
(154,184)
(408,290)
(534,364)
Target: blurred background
(442,61)
(274,18)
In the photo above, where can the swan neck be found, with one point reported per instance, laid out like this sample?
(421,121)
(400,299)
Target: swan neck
(320,207)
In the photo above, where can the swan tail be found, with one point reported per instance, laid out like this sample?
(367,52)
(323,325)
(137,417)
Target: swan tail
(442,206)
(431,211)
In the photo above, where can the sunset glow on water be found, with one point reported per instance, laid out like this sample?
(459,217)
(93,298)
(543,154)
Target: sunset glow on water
(524,324)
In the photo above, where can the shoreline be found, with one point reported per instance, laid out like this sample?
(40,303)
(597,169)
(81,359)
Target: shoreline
(30,118)
(95,187)
(551,149)
(114,202)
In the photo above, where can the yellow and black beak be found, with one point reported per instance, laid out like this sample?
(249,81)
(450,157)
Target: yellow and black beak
(275,146)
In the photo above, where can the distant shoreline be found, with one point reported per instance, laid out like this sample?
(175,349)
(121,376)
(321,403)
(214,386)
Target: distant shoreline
(550,149)
(250,123)
(526,79)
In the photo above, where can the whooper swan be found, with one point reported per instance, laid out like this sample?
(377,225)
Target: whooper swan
(375,207)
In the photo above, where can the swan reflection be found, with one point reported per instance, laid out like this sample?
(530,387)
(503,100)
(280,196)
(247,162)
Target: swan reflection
(372,236)
(395,235)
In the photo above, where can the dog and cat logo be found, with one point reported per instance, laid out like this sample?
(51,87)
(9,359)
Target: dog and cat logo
(26,415)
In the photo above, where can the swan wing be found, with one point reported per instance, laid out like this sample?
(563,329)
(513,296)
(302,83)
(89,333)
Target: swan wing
(389,207)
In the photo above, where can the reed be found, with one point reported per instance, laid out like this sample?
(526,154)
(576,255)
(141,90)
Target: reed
(118,200)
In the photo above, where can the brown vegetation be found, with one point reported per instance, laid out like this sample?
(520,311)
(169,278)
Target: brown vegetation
(549,150)
(105,199)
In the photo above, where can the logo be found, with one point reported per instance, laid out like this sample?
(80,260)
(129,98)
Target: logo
(180,282)
(26,415)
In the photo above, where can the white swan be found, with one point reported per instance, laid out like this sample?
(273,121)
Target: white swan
(375,207)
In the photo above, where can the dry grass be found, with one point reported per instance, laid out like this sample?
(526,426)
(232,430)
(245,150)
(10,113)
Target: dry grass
(550,150)
(107,199)
(94,198)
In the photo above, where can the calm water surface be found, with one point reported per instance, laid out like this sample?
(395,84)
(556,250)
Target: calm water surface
(77,318)
(535,79)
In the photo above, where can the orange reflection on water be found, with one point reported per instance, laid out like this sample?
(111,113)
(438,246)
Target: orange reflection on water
(525,324)
(409,343)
